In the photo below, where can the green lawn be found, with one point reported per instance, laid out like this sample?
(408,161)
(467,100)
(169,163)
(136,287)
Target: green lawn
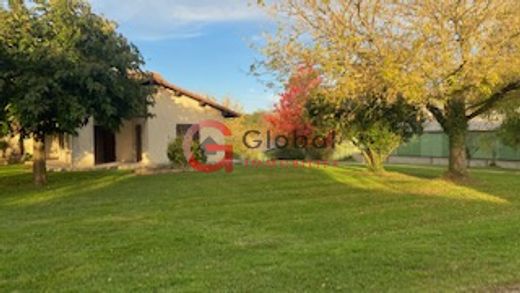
(260,230)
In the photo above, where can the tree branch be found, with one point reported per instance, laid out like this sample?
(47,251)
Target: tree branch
(456,71)
(437,113)
(494,99)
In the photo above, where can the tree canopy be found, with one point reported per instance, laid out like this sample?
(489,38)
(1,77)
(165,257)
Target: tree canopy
(458,59)
(66,65)
(374,125)
(289,117)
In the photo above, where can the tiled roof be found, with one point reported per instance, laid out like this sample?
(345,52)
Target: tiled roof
(157,79)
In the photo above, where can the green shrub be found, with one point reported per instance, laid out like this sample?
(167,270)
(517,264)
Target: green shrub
(286,154)
(300,154)
(176,153)
(318,153)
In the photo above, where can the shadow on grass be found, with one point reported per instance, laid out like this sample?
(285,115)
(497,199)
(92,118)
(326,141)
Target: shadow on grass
(265,183)
(421,181)
(18,189)
(15,180)
(424,172)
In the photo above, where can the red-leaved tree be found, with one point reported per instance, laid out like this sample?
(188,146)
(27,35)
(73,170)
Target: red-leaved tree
(288,117)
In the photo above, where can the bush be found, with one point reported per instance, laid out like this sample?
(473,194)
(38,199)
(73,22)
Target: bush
(315,154)
(176,153)
(286,154)
(300,154)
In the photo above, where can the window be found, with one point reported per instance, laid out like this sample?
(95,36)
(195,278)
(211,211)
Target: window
(182,129)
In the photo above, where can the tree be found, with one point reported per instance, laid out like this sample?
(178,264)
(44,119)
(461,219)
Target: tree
(290,120)
(5,67)
(509,133)
(374,125)
(240,127)
(289,117)
(67,65)
(232,104)
(458,59)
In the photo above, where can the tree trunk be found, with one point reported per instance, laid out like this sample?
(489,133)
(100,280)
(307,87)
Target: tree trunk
(458,158)
(39,161)
(373,161)
(457,127)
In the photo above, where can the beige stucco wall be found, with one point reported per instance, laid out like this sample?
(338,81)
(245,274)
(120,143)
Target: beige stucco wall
(157,132)
(170,110)
(56,151)
(14,147)
(83,144)
(52,147)
(83,147)
(126,141)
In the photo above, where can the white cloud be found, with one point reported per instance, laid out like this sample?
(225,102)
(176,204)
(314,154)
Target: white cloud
(161,19)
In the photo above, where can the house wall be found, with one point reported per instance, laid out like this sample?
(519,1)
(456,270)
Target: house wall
(14,148)
(58,151)
(53,149)
(83,147)
(157,132)
(125,141)
(170,110)
(83,144)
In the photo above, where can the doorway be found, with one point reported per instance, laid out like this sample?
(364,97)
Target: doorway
(104,145)
(138,143)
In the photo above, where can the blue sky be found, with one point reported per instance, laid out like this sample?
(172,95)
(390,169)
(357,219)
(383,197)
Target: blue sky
(202,45)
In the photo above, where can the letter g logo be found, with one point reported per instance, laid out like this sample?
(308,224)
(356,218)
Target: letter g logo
(226,163)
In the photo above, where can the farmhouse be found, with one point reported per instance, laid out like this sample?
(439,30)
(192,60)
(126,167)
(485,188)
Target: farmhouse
(139,140)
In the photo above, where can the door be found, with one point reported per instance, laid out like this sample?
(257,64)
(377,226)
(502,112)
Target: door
(104,145)
(138,143)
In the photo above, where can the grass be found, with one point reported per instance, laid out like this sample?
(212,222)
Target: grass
(260,230)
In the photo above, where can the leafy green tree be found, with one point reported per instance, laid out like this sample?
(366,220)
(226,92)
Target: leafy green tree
(459,59)
(509,133)
(5,65)
(374,125)
(67,65)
